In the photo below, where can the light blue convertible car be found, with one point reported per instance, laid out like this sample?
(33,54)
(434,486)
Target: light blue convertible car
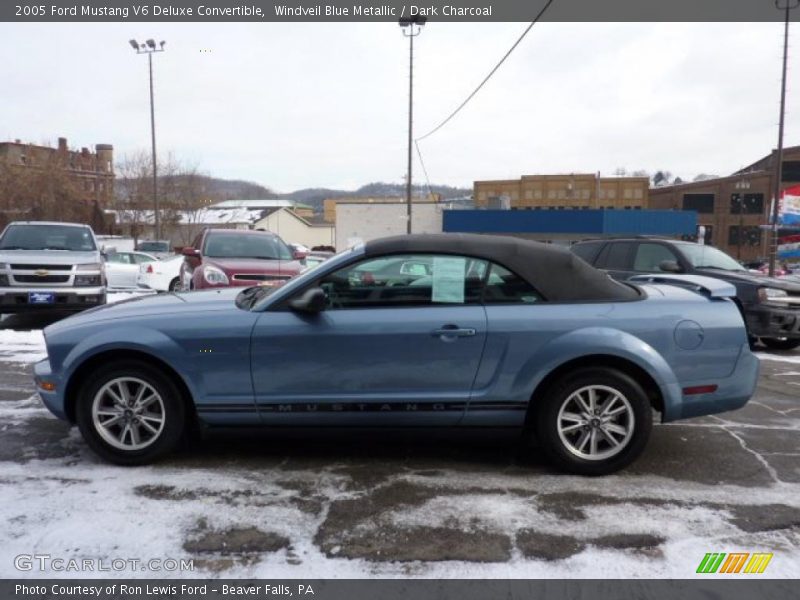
(440,330)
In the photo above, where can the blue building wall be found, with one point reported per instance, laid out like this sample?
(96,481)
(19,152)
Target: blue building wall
(583,222)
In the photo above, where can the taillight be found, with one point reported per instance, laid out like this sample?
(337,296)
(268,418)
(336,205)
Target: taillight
(149,268)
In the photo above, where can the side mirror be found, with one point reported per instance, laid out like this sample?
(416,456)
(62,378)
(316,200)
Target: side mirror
(312,301)
(191,252)
(670,266)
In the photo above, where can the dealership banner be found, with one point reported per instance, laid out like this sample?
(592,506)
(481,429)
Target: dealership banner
(789,207)
(708,587)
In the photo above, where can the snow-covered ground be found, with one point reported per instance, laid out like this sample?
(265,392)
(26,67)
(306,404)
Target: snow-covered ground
(57,498)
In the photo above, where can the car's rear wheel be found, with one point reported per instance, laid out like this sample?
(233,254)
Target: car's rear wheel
(175,285)
(593,421)
(130,413)
(781,343)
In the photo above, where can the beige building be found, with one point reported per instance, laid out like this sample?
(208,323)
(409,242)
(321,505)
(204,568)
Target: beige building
(294,228)
(329,204)
(563,192)
(364,221)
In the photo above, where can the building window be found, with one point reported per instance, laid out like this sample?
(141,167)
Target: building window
(482,196)
(611,194)
(551,194)
(562,194)
(747,204)
(749,235)
(790,170)
(638,194)
(537,194)
(627,194)
(702,203)
(528,194)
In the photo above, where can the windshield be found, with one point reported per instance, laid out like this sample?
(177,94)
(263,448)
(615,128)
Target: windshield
(48,237)
(153,246)
(707,257)
(248,245)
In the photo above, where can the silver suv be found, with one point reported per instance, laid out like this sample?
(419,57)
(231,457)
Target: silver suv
(50,265)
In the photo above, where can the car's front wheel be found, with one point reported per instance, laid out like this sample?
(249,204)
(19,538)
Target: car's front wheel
(130,413)
(781,343)
(593,421)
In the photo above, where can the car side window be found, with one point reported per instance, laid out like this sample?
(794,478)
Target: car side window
(588,251)
(616,255)
(405,281)
(506,287)
(119,258)
(650,256)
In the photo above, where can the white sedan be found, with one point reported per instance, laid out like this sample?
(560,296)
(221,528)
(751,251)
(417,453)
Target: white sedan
(161,275)
(122,268)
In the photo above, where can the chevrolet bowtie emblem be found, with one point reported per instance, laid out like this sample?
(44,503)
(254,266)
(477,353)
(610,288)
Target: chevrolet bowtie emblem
(41,272)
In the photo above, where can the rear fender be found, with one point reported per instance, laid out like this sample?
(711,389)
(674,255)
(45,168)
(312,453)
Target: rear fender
(602,341)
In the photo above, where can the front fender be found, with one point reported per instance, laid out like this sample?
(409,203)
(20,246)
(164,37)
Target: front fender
(605,341)
(148,341)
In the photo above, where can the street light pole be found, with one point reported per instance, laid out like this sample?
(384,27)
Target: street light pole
(149,47)
(786,6)
(408,24)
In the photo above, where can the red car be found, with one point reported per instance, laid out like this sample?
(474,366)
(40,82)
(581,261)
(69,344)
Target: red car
(236,257)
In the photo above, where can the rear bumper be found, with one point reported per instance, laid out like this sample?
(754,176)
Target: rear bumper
(772,322)
(732,392)
(15,299)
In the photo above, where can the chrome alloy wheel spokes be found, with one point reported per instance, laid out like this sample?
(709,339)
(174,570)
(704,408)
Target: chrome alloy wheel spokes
(595,422)
(128,413)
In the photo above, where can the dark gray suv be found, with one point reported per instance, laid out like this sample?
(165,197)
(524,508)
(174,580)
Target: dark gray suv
(770,306)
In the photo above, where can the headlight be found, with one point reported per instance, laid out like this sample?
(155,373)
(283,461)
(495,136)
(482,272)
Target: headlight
(215,276)
(767,294)
(89,267)
(88,280)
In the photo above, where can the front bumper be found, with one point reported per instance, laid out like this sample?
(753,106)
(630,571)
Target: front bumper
(772,321)
(15,299)
(732,392)
(53,400)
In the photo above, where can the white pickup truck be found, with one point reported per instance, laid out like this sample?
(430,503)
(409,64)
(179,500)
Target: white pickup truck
(50,265)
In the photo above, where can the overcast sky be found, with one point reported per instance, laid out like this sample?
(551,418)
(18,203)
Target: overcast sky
(325,105)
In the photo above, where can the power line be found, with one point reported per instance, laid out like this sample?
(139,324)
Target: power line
(492,72)
(424,170)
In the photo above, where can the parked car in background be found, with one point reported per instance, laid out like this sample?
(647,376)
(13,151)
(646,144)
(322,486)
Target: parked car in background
(315,258)
(501,332)
(238,257)
(161,275)
(50,265)
(158,248)
(770,306)
(122,268)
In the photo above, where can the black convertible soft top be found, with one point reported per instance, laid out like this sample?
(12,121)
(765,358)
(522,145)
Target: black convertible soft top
(556,272)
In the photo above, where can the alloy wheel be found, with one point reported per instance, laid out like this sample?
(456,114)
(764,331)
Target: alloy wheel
(128,413)
(595,422)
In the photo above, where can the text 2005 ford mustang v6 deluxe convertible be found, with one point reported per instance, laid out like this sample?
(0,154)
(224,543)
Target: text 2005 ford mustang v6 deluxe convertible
(428,330)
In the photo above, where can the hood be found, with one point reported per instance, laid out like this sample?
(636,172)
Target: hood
(151,305)
(753,278)
(261,266)
(48,257)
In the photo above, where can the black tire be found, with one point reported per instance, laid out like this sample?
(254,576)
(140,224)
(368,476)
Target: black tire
(781,343)
(175,285)
(546,417)
(173,413)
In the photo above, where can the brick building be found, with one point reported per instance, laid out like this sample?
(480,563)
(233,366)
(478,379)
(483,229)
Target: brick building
(89,175)
(733,208)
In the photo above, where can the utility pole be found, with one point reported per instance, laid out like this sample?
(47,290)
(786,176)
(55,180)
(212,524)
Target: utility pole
(149,47)
(412,27)
(786,6)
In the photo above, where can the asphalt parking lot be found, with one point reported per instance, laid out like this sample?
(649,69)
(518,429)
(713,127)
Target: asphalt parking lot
(434,505)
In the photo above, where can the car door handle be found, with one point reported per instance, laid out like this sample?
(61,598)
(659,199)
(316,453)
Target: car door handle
(453,331)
